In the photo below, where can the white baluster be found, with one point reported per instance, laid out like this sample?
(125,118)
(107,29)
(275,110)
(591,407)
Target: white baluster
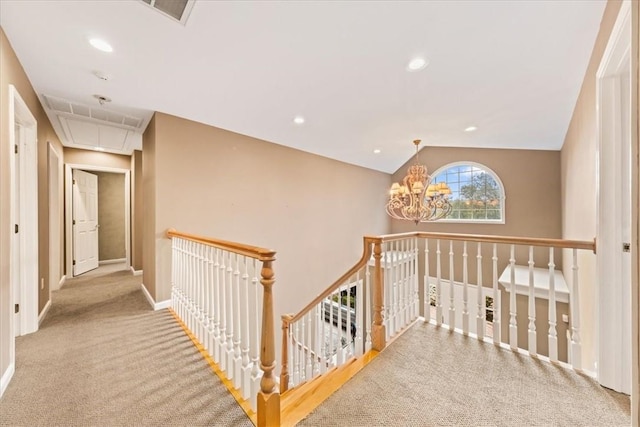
(465,290)
(358,341)
(192,310)
(576,345)
(237,325)
(426,290)
(388,290)
(339,349)
(206,309)
(174,262)
(217,307)
(322,351)
(402,285)
(222,271)
(229,302)
(212,300)
(245,373)
(513,322)
(497,301)
(254,338)
(415,280)
(439,316)
(367,305)
(481,313)
(532,344)
(553,333)
(296,354)
(317,339)
(307,346)
(200,293)
(452,307)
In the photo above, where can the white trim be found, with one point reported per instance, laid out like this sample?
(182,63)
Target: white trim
(44,312)
(19,113)
(68,170)
(6,378)
(63,280)
(613,314)
(155,305)
(55,228)
(503,195)
(112,261)
(135,272)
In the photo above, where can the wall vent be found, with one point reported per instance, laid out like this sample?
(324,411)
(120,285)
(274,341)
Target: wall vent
(178,10)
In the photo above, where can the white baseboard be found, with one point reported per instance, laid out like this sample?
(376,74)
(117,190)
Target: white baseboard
(112,261)
(62,281)
(156,305)
(6,378)
(136,272)
(44,312)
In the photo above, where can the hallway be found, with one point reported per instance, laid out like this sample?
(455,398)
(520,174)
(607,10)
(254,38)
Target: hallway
(103,357)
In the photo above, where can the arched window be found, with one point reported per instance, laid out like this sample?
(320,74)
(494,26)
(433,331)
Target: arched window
(477,194)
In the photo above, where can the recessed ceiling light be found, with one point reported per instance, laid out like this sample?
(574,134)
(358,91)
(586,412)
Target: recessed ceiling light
(298,120)
(417,64)
(101,45)
(98,148)
(471,129)
(377,151)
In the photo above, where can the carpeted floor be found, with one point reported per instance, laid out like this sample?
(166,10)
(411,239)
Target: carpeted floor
(102,357)
(431,377)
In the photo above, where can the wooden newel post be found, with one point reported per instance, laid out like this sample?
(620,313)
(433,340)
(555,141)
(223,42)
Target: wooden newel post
(284,371)
(268,396)
(378,333)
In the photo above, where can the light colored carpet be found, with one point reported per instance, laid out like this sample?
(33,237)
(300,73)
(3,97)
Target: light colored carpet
(102,357)
(431,377)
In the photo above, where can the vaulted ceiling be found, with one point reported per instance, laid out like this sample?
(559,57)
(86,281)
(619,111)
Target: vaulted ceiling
(512,69)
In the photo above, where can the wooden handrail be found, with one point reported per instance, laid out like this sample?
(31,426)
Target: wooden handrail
(527,241)
(258,253)
(366,256)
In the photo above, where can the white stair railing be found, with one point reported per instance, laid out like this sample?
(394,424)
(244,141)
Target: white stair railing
(524,284)
(216,293)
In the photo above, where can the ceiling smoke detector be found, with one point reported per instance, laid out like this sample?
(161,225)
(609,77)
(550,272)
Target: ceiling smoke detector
(102,99)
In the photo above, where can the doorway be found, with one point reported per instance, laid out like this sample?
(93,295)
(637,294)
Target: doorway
(56,250)
(616,244)
(70,171)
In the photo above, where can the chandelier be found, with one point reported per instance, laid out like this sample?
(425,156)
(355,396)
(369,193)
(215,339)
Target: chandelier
(416,201)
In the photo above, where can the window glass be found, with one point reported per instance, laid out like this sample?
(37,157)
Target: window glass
(477,193)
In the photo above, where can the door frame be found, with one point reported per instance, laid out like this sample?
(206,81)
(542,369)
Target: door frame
(56,275)
(19,114)
(68,217)
(612,326)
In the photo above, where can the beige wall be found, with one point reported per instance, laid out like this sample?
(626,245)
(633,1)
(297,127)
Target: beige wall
(578,185)
(529,177)
(137,212)
(11,72)
(312,210)
(111,216)
(149,189)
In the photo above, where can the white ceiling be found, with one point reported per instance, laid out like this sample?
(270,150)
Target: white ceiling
(511,68)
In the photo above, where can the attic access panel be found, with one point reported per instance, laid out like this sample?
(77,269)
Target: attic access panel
(176,9)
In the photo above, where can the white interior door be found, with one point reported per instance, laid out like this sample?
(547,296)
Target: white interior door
(615,247)
(85,222)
